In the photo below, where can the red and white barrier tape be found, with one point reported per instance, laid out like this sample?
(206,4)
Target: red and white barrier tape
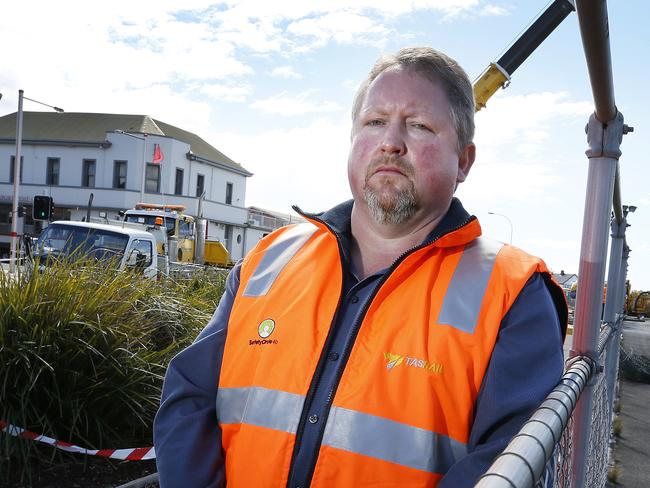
(134,454)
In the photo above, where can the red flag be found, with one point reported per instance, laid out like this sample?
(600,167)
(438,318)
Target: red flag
(157,154)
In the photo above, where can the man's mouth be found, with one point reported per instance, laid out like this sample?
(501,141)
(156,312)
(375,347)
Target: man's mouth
(388,170)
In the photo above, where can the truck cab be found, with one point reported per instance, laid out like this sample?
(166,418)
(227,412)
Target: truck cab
(180,228)
(122,247)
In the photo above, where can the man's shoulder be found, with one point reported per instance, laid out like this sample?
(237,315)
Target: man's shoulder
(507,266)
(513,255)
(288,236)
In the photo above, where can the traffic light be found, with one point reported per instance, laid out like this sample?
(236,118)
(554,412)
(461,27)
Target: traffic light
(43,207)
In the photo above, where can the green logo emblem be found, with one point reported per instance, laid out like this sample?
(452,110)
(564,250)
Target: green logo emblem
(266,328)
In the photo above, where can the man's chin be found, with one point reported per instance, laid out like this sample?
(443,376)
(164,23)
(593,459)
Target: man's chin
(385,190)
(390,206)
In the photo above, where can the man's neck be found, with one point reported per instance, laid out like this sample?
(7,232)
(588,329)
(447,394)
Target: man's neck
(376,246)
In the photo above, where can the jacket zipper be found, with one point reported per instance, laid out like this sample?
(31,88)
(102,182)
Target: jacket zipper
(348,347)
(315,381)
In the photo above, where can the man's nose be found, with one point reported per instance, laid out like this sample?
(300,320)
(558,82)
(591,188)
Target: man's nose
(393,141)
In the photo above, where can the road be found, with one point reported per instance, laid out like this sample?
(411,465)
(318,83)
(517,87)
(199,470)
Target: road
(632,450)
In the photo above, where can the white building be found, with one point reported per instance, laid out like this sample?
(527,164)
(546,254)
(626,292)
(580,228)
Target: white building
(73,156)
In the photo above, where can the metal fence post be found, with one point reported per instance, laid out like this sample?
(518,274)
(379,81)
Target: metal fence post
(615,346)
(615,288)
(603,153)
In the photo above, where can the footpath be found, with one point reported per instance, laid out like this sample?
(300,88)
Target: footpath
(632,451)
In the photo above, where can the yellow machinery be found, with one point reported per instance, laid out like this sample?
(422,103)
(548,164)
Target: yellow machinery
(185,244)
(497,74)
(638,303)
(216,254)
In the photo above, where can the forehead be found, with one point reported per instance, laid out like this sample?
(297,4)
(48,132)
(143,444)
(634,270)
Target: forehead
(403,87)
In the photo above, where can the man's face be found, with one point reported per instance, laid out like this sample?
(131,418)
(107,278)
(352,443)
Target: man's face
(404,159)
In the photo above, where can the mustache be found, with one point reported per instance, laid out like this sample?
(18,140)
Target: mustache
(391,160)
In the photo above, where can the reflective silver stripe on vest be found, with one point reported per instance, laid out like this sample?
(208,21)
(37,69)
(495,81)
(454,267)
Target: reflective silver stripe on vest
(276,258)
(259,406)
(462,302)
(346,429)
(391,441)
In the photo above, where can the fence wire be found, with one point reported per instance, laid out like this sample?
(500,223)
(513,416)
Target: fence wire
(562,460)
(507,469)
(599,437)
(634,362)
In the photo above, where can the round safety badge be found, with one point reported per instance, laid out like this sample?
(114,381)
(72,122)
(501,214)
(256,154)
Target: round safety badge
(266,328)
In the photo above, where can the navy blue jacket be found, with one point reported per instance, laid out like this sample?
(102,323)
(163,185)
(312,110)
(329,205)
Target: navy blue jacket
(526,364)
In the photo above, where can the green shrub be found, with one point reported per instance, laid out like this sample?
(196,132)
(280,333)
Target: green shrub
(84,348)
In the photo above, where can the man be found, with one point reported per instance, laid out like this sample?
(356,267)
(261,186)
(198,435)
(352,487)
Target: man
(384,343)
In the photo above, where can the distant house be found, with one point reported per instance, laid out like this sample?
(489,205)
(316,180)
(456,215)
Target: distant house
(120,160)
(565,280)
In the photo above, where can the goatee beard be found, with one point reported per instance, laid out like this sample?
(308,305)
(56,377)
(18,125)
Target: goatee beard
(387,203)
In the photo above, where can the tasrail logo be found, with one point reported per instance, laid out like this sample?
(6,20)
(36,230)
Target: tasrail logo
(393,360)
(264,330)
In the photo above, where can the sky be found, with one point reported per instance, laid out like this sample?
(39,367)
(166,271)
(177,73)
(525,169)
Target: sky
(270,84)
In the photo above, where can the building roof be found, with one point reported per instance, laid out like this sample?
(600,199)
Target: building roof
(292,218)
(564,278)
(79,127)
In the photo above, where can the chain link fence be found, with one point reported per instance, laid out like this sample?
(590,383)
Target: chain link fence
(540,455)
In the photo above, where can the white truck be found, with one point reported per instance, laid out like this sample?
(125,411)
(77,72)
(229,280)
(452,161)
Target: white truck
(129,246)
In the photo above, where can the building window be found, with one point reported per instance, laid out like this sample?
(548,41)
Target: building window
(200,185)
(53,167)
(229,193)
(178,186)
(11,169)
(88,173)
(152,178)
(119,174)
(228,238)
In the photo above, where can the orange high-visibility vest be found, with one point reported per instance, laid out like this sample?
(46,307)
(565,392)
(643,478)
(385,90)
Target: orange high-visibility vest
(404,407)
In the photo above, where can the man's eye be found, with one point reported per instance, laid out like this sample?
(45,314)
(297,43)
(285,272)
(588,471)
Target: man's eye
(375,122)
(417,125)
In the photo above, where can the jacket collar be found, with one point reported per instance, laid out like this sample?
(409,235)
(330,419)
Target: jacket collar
(338,218)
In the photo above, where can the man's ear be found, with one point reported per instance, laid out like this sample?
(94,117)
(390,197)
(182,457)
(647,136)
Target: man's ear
(465,162)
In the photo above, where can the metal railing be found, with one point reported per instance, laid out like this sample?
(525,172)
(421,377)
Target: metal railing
(540,453)
(566,440)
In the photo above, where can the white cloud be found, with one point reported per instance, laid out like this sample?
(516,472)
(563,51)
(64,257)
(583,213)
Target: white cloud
(305,165)
(508,181)
(292,10)
(513,139)
(342,27)
(494,11)
(556,244)
(227,93)
(286,72)
(524,124)
(289,105)
(135,45)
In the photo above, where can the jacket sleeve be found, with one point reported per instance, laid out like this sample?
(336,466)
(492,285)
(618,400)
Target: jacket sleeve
(187,437)
(526,364)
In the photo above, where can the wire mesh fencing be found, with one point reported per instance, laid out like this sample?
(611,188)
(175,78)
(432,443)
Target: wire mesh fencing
(598,454)
(634,361)
(540,455)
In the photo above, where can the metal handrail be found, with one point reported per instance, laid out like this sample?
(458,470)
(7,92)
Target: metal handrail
(594,30)
(523,461)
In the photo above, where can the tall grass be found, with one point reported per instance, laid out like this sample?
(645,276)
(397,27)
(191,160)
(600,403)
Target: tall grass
(83,350)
